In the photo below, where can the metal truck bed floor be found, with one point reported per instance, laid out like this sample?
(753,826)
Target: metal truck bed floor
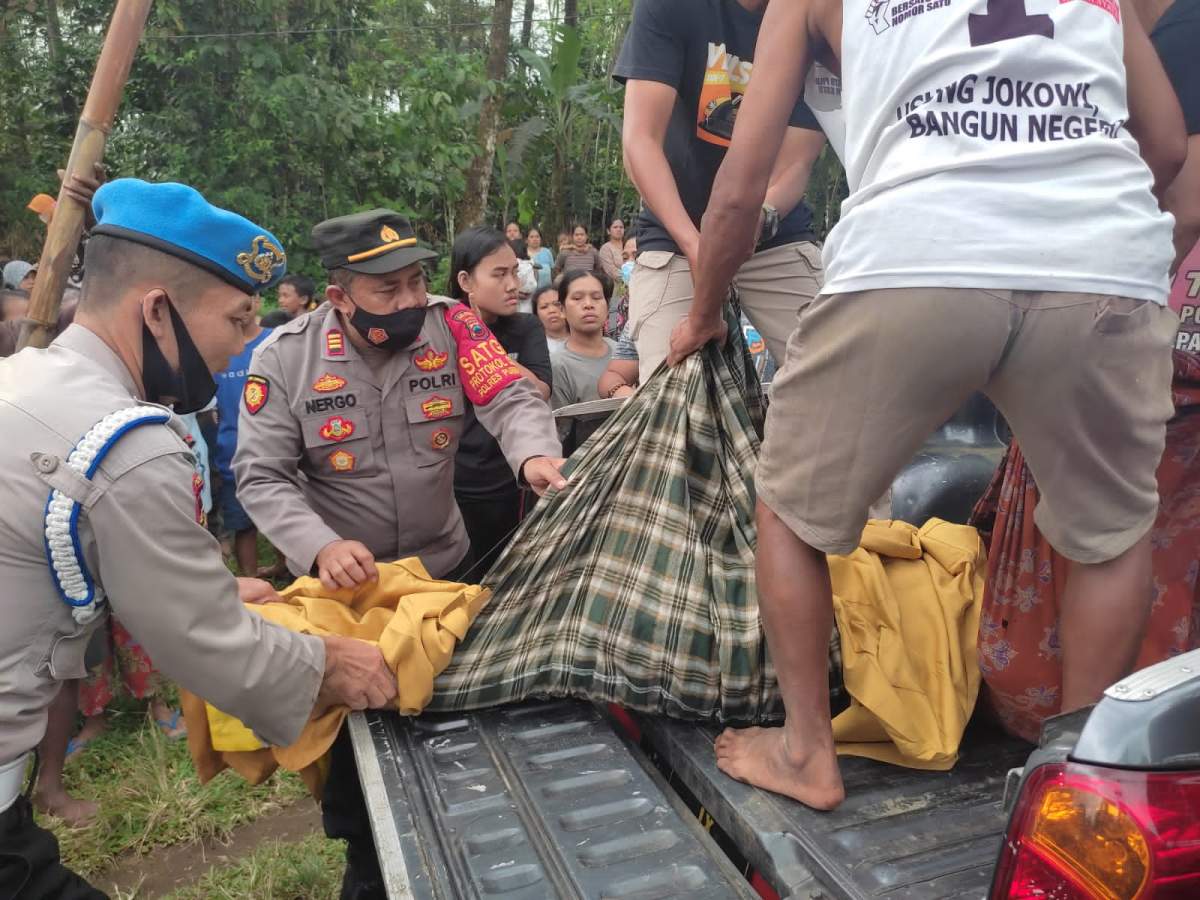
(902,834)
(538,800)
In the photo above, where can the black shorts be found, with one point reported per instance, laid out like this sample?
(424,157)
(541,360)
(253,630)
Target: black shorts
(30,867)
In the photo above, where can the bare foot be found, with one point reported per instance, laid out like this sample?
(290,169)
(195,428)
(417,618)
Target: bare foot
(169,720)
(764,758)
(57,802)
(93,727)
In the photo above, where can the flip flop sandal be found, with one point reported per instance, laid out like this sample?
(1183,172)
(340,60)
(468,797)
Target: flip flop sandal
(75,746)
(169,725)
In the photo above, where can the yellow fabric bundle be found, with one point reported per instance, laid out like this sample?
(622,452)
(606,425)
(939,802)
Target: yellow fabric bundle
(907,605)
(414,620)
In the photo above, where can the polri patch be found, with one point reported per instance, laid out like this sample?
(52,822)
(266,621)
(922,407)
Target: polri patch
(255,393)
(437,407)
(337,428)
(440,439)
(431,360)
(328,383)
(377,336)
(342,461)
(468,320)
(335,343)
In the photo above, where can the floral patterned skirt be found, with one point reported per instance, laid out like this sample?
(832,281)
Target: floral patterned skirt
(1019,648)
(125,665)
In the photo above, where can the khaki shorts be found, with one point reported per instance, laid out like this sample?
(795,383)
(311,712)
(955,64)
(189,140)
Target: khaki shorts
(1084,381)
(772,285)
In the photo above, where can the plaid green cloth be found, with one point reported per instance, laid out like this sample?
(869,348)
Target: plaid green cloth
(635,584)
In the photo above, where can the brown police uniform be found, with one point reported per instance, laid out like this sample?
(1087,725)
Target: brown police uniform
(330,448)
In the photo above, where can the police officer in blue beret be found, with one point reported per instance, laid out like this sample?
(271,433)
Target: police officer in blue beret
(99,505)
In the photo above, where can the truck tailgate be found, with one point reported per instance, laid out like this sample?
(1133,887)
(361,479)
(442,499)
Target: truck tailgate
(537,800)
(902,834)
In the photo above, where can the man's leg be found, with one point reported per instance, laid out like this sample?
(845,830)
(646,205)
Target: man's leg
(344,815)
(774,285)
(245,550)
(660,295)
(796,603)
(867,377)
(30,865)
(1102,621)
(51,794)
(1092,432)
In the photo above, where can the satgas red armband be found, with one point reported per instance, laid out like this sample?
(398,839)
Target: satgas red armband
(484,366)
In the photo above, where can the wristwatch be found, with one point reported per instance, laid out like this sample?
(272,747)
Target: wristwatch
(770,223)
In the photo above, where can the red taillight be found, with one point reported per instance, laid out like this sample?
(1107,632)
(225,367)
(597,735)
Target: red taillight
(1083,832)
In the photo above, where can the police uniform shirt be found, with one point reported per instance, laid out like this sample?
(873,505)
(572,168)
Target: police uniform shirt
(330,448)
(161,571)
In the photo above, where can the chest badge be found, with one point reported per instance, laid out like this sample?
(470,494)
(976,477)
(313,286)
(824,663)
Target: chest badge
(255,393)
(342,461)
(328,383)
(337,429)
(437,408)
(430,360)
(335,343)
(377,336)
(440,439)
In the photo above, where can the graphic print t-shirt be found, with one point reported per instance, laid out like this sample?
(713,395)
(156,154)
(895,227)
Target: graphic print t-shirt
(705,50)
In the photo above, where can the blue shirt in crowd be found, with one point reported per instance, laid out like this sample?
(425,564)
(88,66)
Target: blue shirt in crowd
(230,384)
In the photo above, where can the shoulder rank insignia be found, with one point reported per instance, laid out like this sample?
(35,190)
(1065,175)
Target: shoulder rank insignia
(335,343)
(255,393)
(440,439)
(337,429)
(431,360)
(328,383)
(342,461)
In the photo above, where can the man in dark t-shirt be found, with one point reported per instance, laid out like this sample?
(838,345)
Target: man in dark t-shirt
(685,65)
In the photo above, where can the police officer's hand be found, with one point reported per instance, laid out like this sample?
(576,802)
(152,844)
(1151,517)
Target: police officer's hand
(255,590)
(542,473)
(345,564)
(355,676)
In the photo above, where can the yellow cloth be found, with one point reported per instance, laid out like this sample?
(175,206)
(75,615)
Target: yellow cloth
(413,619)
(907,606)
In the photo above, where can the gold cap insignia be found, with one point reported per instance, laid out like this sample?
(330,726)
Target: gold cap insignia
(387,234)
(260,261)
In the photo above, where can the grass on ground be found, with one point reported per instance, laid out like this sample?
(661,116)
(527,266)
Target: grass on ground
(149,795)
(310,868)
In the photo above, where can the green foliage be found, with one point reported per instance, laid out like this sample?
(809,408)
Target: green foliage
(291,111)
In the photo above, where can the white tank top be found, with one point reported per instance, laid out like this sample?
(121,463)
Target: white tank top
(985,147)
(823,94)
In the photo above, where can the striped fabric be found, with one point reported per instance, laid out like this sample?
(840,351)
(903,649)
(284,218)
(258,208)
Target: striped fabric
(635,584)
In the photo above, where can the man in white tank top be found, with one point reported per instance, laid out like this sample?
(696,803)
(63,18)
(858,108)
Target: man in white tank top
(1002,234)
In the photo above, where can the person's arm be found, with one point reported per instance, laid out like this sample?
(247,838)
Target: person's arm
(1155,119)
(619,379)
(1183,202)
(782,57)
(164,576)
(789,178)
(648,106)
(266,467)
(559,262)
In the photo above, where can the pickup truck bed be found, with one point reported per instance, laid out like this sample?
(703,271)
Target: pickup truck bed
(554,800)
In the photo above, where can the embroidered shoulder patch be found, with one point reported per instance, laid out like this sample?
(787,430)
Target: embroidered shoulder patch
(255,393)
(485,367)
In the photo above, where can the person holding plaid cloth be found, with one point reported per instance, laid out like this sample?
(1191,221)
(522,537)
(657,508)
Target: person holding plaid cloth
(967,258)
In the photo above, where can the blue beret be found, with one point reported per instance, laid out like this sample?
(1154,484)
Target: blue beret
(176,219)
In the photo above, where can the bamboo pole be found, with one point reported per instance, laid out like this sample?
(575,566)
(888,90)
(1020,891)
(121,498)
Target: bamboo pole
(99,110)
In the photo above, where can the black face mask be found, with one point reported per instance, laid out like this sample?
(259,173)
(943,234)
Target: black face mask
(192,386)
(394,331)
